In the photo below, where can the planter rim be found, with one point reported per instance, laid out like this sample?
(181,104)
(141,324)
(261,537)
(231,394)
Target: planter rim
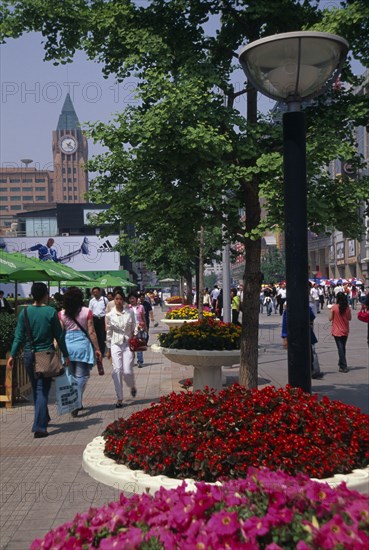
(107,471)
(195,352)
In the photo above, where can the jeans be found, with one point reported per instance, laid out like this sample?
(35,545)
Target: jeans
(40,389)
(81,371)
(341,346)
(140,357)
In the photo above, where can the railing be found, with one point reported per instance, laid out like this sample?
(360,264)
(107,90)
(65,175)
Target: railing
(16,382)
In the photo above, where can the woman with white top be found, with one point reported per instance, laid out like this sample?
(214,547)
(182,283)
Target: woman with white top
(140,321)
(120,326)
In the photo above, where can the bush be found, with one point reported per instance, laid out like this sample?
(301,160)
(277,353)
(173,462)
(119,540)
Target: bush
(8,322)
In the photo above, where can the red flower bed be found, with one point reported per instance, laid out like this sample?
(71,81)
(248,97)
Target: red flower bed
(207,436)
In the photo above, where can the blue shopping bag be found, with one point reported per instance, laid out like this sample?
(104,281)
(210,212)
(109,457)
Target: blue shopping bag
(68,393)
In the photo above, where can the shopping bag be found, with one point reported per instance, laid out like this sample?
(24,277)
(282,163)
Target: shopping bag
(316,365)
(68,393)
(363,314)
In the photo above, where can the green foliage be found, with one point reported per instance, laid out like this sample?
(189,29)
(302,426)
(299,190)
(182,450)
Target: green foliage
(273,266)
(8,322)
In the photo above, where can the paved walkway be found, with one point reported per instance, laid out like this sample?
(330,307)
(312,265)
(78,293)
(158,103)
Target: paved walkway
(42,481)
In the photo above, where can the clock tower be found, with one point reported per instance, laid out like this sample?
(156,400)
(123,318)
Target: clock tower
(70,153)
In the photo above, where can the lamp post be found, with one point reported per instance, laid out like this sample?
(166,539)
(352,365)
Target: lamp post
(294,67)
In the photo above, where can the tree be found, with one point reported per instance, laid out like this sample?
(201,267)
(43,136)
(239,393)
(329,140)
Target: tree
(184,156)
(273,266)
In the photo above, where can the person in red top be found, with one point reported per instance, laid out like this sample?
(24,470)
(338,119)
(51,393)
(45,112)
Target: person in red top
(340,315)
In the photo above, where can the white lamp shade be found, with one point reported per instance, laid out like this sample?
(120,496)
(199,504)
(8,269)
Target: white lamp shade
(293,66)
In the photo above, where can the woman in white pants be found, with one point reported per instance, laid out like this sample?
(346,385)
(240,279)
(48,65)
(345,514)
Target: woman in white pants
(120,325)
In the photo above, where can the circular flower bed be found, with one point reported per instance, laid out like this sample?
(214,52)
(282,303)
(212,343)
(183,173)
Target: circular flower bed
(187,312)
(268,510)
(207,334)
(208,436)
(174,300)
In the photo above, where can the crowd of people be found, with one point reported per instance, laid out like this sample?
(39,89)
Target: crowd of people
(84,336)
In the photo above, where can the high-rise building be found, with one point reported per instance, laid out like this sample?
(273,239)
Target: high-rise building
(26,188)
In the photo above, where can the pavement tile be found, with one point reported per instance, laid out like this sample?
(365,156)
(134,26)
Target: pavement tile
(43,483)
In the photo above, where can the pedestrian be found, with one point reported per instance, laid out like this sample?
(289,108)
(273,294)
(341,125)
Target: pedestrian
(281,297)
(45,328)
(219,305)
(111,303)
(5,307)
(235,306)
(315,372)
(98,305)
(120,327)
(340,315)
(366,303)
(140,321)
(206,301)
(149,312)
(80,338)
(213,298)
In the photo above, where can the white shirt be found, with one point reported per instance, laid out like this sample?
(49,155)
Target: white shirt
(314,293)
(282,293)
(214,293)
(98,307)
(119,326)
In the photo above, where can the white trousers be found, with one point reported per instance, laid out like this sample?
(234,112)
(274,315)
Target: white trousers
(122,359)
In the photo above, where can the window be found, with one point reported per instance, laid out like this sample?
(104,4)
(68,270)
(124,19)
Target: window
(14,181)
(27,180)
(63,170)
(75,197)
(64,180)
(39,180)
(15,207)
(64,198)
(27,189)
(69,188)
(75,188)
(28,198)
(74,170)
(14,189)
(40,198)
(69,180)
(69,170)
(3,198)
(15,198)
(3,180)
(2,207)
(39,188)
(74,179)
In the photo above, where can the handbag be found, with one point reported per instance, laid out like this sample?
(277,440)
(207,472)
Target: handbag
(363,315)
(139,342)
(67,393)
(46,364)
(99,363)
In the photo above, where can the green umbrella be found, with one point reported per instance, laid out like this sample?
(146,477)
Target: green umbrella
(79,284)
(108,281)
(13,268)
(51,270)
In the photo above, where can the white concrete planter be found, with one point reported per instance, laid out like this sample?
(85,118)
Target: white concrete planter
(177,322)
(107,471)
(207,364)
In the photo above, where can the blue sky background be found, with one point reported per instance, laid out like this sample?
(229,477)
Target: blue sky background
(33,93)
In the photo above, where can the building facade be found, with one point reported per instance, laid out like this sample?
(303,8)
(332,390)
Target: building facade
(27,188)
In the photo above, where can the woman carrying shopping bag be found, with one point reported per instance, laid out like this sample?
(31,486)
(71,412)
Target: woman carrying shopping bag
(120,327)
(44,327)
(80,337)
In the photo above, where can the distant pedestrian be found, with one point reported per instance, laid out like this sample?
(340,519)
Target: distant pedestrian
(366,303)
(5,307)
(340,315)
(120,326)
(98,305)
(213,297)
(235,306)
(140,321)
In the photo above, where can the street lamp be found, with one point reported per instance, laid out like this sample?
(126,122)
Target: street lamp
(294,67)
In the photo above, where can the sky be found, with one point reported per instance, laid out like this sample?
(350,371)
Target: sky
(33,92)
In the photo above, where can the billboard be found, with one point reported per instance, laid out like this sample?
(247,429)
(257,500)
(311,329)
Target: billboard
(83,253)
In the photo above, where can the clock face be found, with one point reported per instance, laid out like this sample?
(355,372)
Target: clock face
(68,144)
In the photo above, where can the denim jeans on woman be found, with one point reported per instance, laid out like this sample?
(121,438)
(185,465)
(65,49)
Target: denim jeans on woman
(341,346)
(81,371)
(40,389)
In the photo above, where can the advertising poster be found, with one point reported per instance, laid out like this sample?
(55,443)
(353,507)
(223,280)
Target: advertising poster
(83,253)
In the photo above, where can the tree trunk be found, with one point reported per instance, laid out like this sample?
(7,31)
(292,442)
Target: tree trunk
(200,286)
(188,278)
(252,274)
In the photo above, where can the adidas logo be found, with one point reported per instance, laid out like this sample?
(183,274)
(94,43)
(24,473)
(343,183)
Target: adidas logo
(106,246)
